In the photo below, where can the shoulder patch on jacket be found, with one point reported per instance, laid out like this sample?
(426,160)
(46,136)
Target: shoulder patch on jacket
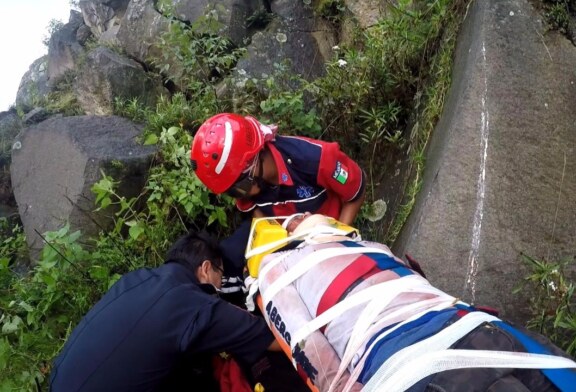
(340,173)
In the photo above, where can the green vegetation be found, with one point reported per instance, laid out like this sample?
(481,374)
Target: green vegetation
(380,97)
(552,298)
(39,310)
(53,27)
(558,14)
(62,98)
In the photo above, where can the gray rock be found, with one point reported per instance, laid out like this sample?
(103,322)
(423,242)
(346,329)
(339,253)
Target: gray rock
(139,30)
(10,125)
(232,14)
(83,34)
(106,75)
(34,85)
(500,169)
(306,50)
(35,116)
(296,14)
(367,12)
(101,15)
(55,163)
(64,49)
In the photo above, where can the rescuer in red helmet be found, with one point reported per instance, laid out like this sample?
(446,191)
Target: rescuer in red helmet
(273,175)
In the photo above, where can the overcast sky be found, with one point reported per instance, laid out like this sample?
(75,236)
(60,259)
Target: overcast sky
(23,26)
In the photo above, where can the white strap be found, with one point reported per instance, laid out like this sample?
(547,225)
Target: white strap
(383,292)
(271,263)
(308,262)
(377,298)
(439,361)
(360,358)
(352,349)
(439,341)
(418,309)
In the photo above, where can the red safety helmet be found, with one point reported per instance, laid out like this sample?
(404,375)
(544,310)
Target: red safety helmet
(224,146)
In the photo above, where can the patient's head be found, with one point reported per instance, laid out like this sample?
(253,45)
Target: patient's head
(316,228)
(300,223)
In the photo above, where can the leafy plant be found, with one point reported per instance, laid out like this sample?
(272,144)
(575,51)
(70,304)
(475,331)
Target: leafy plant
(286,109)
(37,309)
(553,304)
(195,57)
(172,201)
(331,10)
(389,77)
(12,248)
(169,111)
(53,27)
(558,15)
(62,98)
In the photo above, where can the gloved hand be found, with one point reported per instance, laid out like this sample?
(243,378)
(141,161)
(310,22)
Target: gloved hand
(251,287)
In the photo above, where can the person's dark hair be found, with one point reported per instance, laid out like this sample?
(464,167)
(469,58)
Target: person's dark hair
(192,249)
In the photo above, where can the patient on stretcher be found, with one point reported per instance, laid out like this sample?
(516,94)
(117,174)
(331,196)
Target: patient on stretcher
(352,316)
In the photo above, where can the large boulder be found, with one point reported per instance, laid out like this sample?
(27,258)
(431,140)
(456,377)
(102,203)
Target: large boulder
(295,34)
(64,49)
(106,75)
(55,163)
(367,12)
(10,125)
(139,30)
(233,15)
(34,86)
(500,169)
(102,15)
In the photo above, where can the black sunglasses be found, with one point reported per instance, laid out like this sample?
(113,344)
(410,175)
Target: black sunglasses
(241,188)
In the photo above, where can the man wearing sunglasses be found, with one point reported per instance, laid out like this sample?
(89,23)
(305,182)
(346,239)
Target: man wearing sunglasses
(273,175)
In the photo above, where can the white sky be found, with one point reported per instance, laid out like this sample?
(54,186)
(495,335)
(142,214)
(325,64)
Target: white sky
(23,26)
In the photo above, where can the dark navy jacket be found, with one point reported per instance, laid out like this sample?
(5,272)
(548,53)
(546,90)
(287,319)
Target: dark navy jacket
(313,175)
(141,329)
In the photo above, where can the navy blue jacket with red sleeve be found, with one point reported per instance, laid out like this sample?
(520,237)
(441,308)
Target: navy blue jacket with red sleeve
(313,176)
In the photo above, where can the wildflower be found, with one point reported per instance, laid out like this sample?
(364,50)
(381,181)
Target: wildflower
(377,210)
(342,63)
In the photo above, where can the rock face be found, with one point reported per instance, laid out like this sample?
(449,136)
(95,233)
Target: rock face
(10,125)
(34,84)
(296,34)
(102,15)
(64,48)
(139,29)
(56,162)
(271,31)
(106,75)
(366,12)
(500,170)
